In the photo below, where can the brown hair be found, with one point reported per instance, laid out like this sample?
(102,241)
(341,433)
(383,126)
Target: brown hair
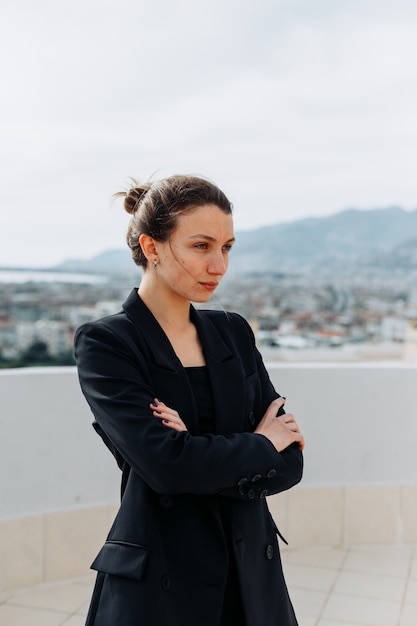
(155,207)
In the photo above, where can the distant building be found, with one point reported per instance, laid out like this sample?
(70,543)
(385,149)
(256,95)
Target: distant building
(7,332)
(56,335)
(393,328)
(410,348)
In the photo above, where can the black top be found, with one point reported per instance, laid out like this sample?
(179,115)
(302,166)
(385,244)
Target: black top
(200,384)
(232,614)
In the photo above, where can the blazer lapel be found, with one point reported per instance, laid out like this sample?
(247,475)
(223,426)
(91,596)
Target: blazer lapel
(161,352)
(170,379)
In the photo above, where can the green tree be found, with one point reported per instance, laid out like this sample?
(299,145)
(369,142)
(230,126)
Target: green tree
(37,353)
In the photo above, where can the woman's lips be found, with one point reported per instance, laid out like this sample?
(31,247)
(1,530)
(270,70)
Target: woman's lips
(210,286)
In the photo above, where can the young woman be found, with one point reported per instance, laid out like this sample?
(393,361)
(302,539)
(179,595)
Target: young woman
(182,399)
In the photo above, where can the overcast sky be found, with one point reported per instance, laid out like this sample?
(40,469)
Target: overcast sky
(295,108)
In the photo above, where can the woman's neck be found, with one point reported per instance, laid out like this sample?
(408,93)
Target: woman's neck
(171,312)
(173,315)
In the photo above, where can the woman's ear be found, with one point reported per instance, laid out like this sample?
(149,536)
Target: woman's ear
(147,243)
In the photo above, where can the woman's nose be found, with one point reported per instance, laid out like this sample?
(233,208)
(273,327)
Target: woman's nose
(218,264)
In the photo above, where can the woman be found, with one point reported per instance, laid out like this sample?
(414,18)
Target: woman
(182,399)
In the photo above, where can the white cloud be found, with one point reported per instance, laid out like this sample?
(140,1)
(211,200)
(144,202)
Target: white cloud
(293,107)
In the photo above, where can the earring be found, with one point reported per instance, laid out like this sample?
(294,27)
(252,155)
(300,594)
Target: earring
(155,263)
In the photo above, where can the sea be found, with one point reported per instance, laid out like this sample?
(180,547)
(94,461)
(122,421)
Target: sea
(47,276)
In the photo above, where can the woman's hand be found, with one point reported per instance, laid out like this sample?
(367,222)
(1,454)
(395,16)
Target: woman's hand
(168,417)
(281,431)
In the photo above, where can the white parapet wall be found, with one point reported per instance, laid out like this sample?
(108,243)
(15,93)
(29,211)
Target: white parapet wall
(60,486)
(360,479)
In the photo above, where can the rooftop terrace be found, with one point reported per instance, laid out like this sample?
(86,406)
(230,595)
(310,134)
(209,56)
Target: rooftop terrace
(351,524)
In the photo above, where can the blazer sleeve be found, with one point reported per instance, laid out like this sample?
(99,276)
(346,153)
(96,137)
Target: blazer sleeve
(272,481)
(118,390)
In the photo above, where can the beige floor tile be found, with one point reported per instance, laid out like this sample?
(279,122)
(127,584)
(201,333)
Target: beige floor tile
(378,561)
(305,577)
(409,615)
(64,596)
(322,557)
(411,594)
(23,616)
(88,580)
(413,572)
(74,620)
(399,551)
(83,610)
(307,621)
(371,586)
(332,622)
(362,611)
(4,596)
(363,594)
(307,603)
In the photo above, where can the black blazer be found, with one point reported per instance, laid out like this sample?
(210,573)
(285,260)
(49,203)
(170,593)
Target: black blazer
(165,561)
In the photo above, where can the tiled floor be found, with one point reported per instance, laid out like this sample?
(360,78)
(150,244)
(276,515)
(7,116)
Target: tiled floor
(355,586)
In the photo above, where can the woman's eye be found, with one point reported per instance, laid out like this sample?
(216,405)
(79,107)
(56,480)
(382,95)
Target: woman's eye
(227,248)
(201,246)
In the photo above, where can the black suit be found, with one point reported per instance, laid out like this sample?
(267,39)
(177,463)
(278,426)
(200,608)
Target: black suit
(165,560)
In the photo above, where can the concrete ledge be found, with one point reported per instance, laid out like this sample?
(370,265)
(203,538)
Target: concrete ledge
(345,515)
(62,544)
(52,546)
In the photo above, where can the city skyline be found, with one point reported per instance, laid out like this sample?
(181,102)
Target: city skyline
(295,109)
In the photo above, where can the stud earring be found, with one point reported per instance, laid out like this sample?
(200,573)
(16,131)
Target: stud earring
(155,263)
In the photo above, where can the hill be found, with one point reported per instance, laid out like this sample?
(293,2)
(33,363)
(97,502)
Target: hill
(352,238)
(346,238)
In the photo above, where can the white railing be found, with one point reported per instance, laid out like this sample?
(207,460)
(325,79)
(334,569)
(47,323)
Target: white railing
(360,481)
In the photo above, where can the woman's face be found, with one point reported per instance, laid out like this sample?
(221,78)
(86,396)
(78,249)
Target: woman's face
(196,256)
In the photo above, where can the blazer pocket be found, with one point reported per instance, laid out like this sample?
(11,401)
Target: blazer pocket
(121,558)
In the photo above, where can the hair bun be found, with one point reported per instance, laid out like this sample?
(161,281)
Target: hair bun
(134,196)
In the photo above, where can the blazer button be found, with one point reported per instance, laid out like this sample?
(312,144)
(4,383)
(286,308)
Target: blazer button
(263,494)
(269,552)
(251,418)
(251,494)
(271,473)
(256,477)
(165,583)
(242,481)
(166,502)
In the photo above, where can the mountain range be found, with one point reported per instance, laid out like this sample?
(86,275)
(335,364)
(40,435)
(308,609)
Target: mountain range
(386,238)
